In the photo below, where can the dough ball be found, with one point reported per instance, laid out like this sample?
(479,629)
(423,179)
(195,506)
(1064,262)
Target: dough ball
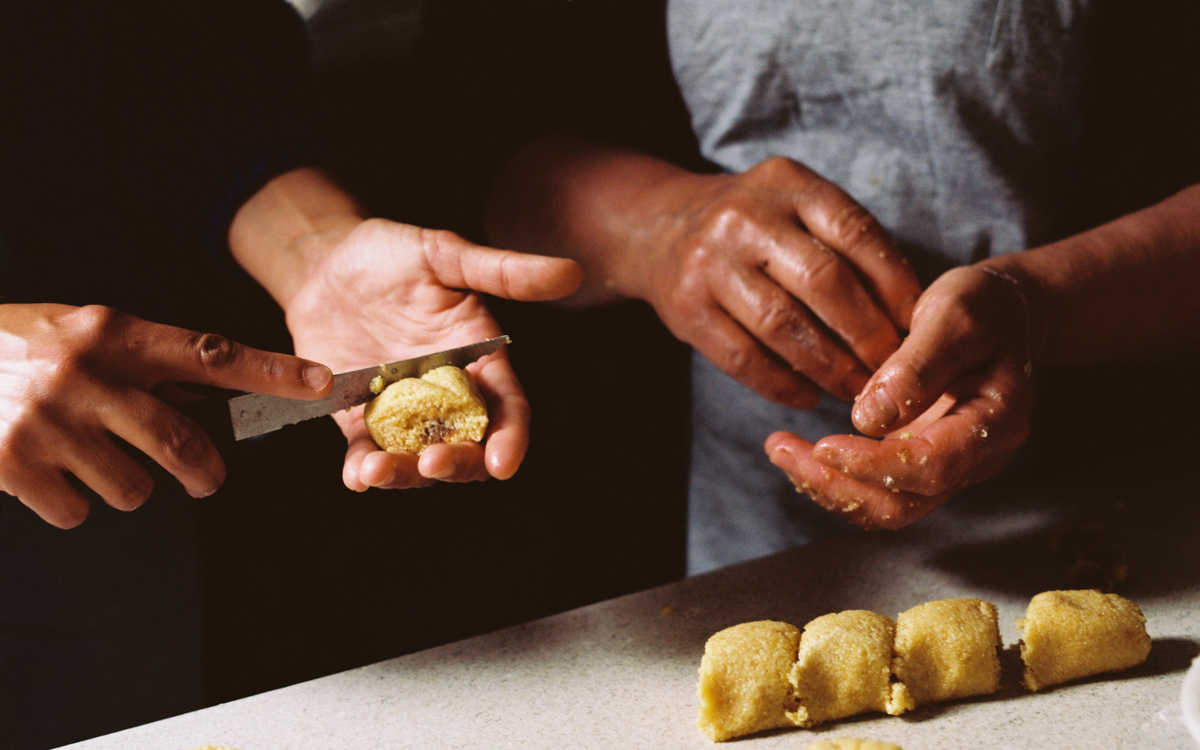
(948,649)
(852,743)
(744,685)
(441,406)
(1071,634)
(844,666)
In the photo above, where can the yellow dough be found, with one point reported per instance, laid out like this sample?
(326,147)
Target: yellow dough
(1071,634)
(744,684)
(441,406)
(844,666)
(764,675)
(852,743)
(947,649)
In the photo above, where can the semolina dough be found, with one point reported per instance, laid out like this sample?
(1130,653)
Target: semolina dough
(764,675)
(844,666)
(852,743)
(441,406)
(1071,634)
(744,685)
(947,649)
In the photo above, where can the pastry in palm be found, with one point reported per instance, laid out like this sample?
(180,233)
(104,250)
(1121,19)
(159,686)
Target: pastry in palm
(441,406)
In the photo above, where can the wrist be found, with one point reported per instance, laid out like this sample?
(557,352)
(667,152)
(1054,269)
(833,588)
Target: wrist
(655,216)
(280,235)
(1035,302)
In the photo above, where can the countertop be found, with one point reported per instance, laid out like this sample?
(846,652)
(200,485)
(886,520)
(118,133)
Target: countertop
(622,673)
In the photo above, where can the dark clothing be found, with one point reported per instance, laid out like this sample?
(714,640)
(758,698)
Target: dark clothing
(130,132)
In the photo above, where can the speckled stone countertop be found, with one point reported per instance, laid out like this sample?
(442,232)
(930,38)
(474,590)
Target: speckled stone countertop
(622,673)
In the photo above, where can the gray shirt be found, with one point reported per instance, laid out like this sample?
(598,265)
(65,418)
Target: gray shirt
(953,121)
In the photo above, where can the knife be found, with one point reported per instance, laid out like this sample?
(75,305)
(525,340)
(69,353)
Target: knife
(247,415)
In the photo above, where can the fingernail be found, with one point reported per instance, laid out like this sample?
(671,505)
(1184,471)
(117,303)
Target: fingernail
(874,411)
(205,492)
(317,376)
(776,454)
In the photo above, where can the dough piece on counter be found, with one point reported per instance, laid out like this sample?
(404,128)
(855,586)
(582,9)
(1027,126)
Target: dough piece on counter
(744,685)
(441,406)
(844,667)
(947,649)
(852,743)
(1071,634)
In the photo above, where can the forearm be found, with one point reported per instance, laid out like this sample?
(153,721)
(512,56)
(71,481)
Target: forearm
(1121,291)
(604,207)
(280,233)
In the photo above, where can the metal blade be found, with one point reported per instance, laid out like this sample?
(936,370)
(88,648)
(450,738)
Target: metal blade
(256,414)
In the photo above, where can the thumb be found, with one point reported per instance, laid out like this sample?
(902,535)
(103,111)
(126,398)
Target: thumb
(506,273)
(941,348)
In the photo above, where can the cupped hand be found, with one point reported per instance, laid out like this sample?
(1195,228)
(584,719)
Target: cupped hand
(71,378)
(384,291)
(953,405)
(779,278)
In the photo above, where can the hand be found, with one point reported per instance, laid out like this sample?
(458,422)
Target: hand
(71,378)
(779,278)
(382,291)
(954,403)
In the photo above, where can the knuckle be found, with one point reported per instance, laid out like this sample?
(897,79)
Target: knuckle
(938,476)
(779,320)
(821,268)
(183,446)
(777,167)
(729,219)
(738,362)
(131,491)
(853,225)
(87,331)
(434,242)
(96,321)
(214,351)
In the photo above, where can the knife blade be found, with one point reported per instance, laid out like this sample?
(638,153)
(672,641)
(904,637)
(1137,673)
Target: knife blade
(254,414)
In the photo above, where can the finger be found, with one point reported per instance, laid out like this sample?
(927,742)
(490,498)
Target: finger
(459,264)
(392,471)
(367,466)
(168,353)
(839,221)
(453,462)
(110,472)
(47,493)
(509,415)
(358,446)
(865,505)
(941,349)
(833,290)
(781,323)
(971,442)
(739,355)
(173,441)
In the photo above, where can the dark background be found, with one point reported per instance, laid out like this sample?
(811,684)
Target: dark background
(285,575)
